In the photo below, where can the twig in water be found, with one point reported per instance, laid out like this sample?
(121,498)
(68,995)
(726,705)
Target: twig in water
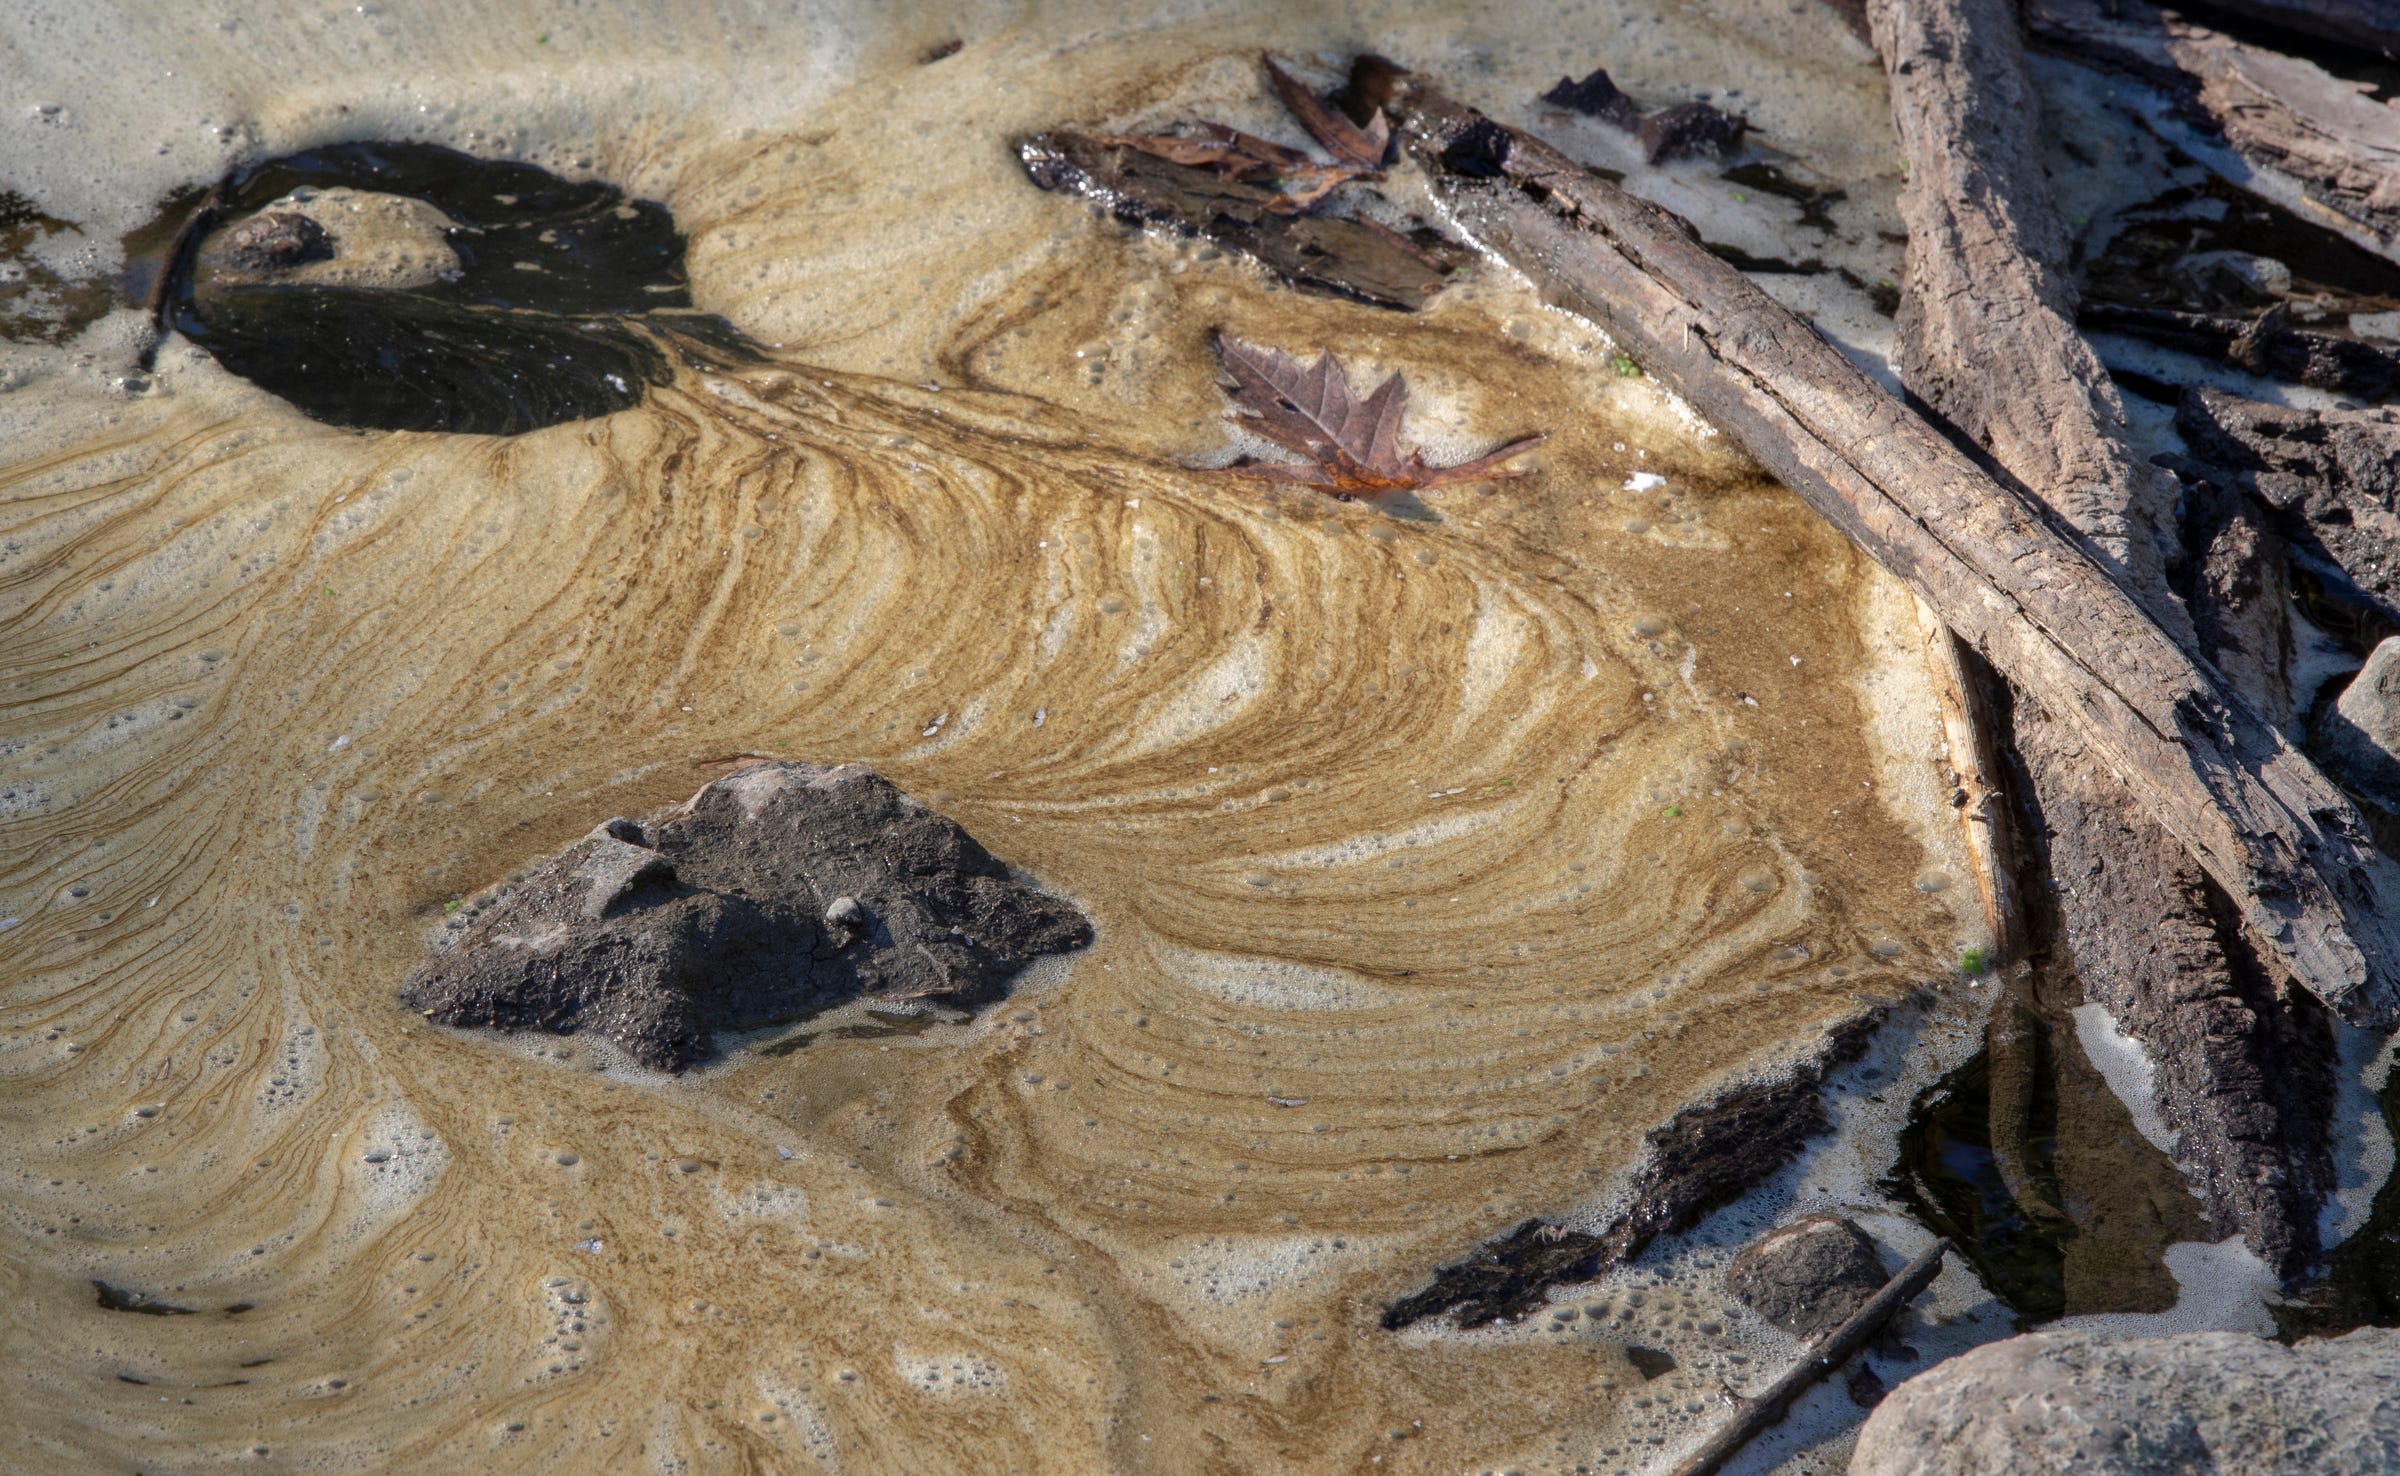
(1755,1414)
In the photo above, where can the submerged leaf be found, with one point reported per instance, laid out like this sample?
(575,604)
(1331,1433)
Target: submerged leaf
(1352,446)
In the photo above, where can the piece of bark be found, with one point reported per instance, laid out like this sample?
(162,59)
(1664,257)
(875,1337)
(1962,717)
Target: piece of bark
(1969,736)
(2234,582)
(2311,141)
(2026,596)
(1985,285)
(1702,1157)
(2330,477)
(2268,345)
(1356,258)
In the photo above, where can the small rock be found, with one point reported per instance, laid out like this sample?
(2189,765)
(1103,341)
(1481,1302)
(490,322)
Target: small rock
(749,905)
(2235,278)
(2360,739)
(1809,1276)
(2196,1404)
(844,916)
(1865,1385)
(276,241)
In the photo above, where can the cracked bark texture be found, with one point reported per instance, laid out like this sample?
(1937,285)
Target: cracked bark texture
(1986,287)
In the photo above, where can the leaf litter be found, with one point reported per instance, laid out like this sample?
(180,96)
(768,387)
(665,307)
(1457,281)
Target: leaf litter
(1358,150)
(1352,445)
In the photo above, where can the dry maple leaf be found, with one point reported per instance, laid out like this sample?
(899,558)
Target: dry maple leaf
(1352,446)
(1362,149)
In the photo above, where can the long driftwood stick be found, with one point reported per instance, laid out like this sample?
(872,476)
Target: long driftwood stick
(1985,252)
(1985,286)
(1831,1352)
(2266,824)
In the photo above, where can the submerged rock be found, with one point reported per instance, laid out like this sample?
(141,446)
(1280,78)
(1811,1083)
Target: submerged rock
(2196,1403)
(1808,1277)
(276,240)
(779,890)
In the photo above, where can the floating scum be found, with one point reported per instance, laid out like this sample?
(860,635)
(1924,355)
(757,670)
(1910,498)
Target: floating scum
(1431,859)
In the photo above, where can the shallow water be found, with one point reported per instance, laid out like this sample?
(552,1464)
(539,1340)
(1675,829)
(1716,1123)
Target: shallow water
(1433,858)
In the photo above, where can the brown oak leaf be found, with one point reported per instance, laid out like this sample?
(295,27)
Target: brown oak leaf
(1362,149)
(1352,446)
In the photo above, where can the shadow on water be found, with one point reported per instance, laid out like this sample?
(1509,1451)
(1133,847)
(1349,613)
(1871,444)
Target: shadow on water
(1951,1180)
(2361,1286)
(567,299)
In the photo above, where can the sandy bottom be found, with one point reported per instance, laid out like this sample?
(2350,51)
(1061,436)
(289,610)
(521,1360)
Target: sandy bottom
(1433,857)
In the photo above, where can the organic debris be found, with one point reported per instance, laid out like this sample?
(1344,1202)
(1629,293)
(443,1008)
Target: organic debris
(1360,146)
(1683,131)
(1353,447)
(1298,180)
(778,891)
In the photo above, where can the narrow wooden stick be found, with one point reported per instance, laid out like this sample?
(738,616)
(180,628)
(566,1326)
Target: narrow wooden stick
(1756,1413)
(2282,841)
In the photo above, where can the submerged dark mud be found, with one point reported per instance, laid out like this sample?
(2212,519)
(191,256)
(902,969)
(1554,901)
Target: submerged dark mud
(558,300)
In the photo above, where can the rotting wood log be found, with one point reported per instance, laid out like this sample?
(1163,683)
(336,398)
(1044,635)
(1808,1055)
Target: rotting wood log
(1761,1410)
(1985,285)
(2280,838)
(2292,132)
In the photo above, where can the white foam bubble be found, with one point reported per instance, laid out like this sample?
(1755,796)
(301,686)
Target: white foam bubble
(949,1375)
(2127,1069)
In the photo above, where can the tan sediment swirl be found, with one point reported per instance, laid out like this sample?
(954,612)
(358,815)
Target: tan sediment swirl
(1433,858)
(1334,1030)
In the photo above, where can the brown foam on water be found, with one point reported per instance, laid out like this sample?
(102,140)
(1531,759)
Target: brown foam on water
(1433,860)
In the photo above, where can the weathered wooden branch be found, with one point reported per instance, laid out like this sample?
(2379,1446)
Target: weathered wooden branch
(2277,836)
(1836,1348)
(1985,286)
(2312,142)
(1985,289)
(1969,734)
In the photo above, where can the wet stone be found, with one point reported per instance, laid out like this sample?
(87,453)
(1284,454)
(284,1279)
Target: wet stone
(1809,1276)
(718,915)
(277,241)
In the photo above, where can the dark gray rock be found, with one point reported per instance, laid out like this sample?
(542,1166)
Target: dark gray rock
(774,892)
(2360,739)
(1808,1277)
(2197,1404)
(276,240)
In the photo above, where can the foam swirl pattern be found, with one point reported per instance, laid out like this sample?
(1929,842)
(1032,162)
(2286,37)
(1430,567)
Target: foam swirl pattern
(1433,858)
